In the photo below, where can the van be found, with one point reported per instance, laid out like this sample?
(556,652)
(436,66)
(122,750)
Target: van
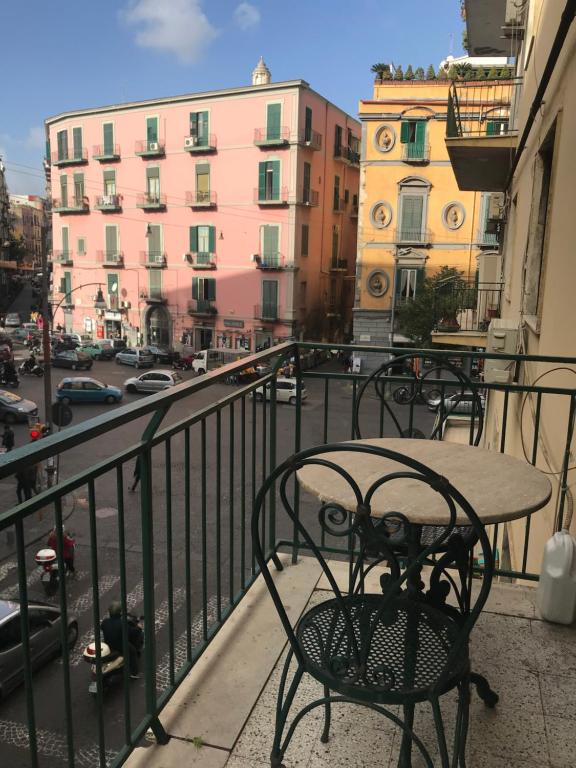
(286,391)
(209,359)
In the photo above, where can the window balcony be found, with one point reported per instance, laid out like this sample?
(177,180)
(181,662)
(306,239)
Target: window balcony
(201,308)
(270,197)
(481,135)
(409,236)
(73,157)
(150,202)
(72,206)
(347,155)
(272,137)
(110,258)
(271,261)
(153,258)
(157,296)
(416,153)
(200,145)
(150,148)
(64,258)
(313,140)
(266,312)
(464,309)
(486,239)
(354,211)
(201,260)
(339,205)
(201,199)
(105,154)
(339,265)
(108,203)
(308,197)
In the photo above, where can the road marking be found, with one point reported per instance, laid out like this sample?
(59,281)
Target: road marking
(85,601)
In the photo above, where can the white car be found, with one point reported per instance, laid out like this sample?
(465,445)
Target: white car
(153,381)
(461,402)
(12,320)
(139,358)
(286,391)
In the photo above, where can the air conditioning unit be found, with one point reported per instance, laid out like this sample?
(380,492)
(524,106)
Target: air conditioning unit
(125,304)
(502,339)
(152,146)
(191,141)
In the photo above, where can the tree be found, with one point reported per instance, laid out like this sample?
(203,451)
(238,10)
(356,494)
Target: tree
(470,74)
(492,73)
(409,75)
(431,73)
(398,73)
(442,74)
(436,300)
(481,73)
(386,74)
(378,70)
(419,74)
(505,73)
(453,73)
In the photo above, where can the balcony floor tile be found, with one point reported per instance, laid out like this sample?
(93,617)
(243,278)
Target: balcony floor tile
(561,733)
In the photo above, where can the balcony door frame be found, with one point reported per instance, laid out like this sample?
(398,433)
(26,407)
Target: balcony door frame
(413,186)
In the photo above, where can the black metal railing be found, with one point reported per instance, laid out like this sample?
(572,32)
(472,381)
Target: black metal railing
(310,139)
(412,235)
(460,305)
(271,134)
(153,258)
(106,151)
(201,199)
(202,307)
(151,200)
(70,157)
(482,108)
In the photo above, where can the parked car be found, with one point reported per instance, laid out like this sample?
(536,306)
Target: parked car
(136,356)
(116,344)
(80,389)
(286,391)
(162,354)
(153,381)
(12,320)
(45,639)
(460,402)
(70,337)
(97,350)
(15,408)
(71,358)
(19,334)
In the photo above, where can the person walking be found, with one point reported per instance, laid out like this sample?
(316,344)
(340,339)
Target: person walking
(8,438)
(27,479)
(68,548)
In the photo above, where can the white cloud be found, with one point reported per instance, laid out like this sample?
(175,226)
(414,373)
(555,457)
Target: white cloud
(246,16)
(176,26)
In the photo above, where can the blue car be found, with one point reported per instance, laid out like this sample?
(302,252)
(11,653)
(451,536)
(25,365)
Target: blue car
(80,389)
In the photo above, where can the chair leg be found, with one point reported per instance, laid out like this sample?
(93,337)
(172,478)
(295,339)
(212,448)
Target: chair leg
(462,723)
(326,732)
(440,734)
(488,696)
(405,758)
(282,710)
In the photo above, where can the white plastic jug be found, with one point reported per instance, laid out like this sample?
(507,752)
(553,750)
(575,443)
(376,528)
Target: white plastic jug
(557,586)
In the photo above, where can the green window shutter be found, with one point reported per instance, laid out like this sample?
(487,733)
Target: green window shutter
(155,282)
(151,129)
(63,191)
(47,150)
(77,142)
(420,132)
(65,240)
(306,181)
(203,128)
(202,181)
(212,239)
(210,289)
(262,181)
(67,285)
(62,137)
(109,176)
(193,123)
(275,165)
(112,284)
(334,245)
(81,245)
(273,116)
(78,187)
(305,237)
(152,172)
(491,128)
(270,297)
(194,285)
(404,132)
(111,237)
(412,209)
(420,276)
(337,139)
(155,240)
(270,242)
(108,137)
(62,285)
(308,124)
(194,239)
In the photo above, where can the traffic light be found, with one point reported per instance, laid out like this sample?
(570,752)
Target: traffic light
(38,430)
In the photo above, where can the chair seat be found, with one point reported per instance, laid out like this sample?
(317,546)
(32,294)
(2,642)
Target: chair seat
(388,656)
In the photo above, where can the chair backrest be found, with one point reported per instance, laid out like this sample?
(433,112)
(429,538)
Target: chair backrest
(370,541)
(419,378)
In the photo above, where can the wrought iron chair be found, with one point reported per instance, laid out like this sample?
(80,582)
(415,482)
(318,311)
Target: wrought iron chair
(403,645)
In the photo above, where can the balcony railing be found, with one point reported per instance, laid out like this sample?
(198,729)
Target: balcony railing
(200,144)
(109,203)
(408,235)
(308,197)
(311,140)
(339,205)
(484,238)
(485,108)
(202,307)
(110,258)
(460,305)
(201,260)
(105,153)
(338,265)
(151,202)
(153,258)
(150,148)
(415,152)
(272,137)
(72,157)
(71,205)
(267,312)
(347,155)
(270,261)
(62,257)
(201,199)
(271,197)
(179,551)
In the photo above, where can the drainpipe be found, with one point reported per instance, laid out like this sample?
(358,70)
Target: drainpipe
(563,28)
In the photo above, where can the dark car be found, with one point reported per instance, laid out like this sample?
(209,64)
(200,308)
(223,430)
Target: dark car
(71,358)
(45,640)
(14,408)
(162,354)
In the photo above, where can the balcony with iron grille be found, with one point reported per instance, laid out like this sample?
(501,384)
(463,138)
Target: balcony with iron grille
(338,265)
(271,197)
(481,133)
(180,549)
(272,136)
(268,312)
(310,140)
(111,258)
(202,308)
(201,260)
(108,203)
(339,205)
(416,153)
(72,157)
(151,202)
(73,205)
(64,258)
(155,148)
(347,155)
(105,153)
(153,258)
(201,199)
(308,197)
(463,311)
(201,144)
(271,261)
(413,236)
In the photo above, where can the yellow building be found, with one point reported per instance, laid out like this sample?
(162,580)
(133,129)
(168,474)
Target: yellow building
(413,219)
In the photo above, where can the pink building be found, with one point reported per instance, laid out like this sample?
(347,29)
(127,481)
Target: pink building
(219,219)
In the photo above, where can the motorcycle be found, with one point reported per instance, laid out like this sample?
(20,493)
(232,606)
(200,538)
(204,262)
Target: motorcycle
(111,662)
(47,561)
(29,368)
(182,364)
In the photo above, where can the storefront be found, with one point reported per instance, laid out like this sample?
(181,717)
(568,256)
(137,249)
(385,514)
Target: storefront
(112,325)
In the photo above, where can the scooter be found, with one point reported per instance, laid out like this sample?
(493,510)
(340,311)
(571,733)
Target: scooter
(111,662)
(30,369)
(49,572)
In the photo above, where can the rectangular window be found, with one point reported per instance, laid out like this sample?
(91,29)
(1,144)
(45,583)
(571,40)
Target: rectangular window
(203,243)
(269,180)
(108,138)
(337,141)
(153,183)
(413,134)
(308,124)
(203,290)
(155,283)
(111,238)
(335,245)
(109,182)
(78,189)
(199,127)
(336,204)
(411,229)
(305,237)
(408,282)
(496,127)
(77,143)
(155,244)
(306,182)
(63,191)
(62,139)
(203,183)
(151,131)
(490,212)
(273,118)
(346,195)
(65,241)
(270,299)
(269,239)
(81,246)
(66,288)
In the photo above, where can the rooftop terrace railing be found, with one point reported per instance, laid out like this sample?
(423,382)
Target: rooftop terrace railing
(180,552)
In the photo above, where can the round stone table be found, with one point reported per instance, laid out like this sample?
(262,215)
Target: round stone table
(498,487)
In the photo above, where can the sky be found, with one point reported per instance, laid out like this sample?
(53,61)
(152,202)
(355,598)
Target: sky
(69,54)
